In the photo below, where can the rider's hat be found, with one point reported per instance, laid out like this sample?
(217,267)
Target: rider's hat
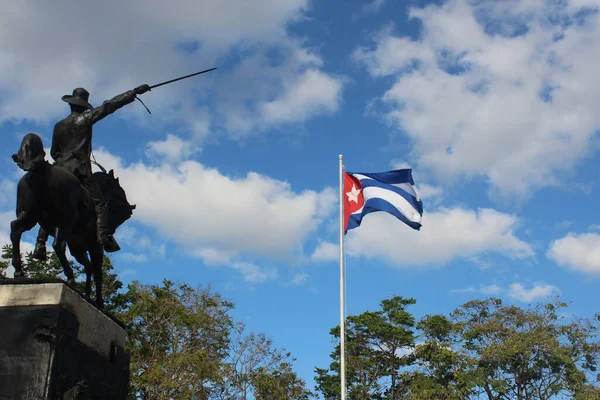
(79,97)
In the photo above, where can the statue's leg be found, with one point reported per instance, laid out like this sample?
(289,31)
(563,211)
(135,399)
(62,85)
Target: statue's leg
(40,245)
(101,216)
(60,248)
(82,258)
(97,256)
(23,223)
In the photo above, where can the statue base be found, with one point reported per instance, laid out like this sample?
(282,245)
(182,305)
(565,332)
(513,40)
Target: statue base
(56,344)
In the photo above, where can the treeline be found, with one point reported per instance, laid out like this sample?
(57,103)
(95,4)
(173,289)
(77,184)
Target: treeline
(484,350)
(184,344)
(183,341)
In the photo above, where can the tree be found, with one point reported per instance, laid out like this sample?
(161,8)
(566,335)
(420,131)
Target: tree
(50,268)
(484,349)
(376,351)
(439,365)
(513,353)
(178,340)
(281,383)
(255,368)
(5,260)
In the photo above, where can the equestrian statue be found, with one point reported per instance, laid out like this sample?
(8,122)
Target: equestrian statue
(78,208)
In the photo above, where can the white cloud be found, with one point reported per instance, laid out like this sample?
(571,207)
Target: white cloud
(483,289)
(326,251)
(309,94)
(299,278)
(253,273)
(469,92)
(371,7)
(446,234)
(400,164)
(134,258)
(518,292)
(8,191)
(515,291)
(288,93)
(430,192)
(121,48)
(217,217)
(173,148)
(141,243)
(375,5)
(579,252)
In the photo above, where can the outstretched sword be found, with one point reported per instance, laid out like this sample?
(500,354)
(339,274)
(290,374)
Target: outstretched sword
(183,77)
(171,81)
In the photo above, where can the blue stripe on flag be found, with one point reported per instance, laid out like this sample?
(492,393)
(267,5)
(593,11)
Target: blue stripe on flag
(390,177)
(373,205)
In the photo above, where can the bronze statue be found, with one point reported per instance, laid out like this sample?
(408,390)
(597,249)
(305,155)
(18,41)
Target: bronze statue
(72,149)
(80,209)
(54,198)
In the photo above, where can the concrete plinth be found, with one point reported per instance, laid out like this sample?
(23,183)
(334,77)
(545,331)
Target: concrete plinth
(55,344)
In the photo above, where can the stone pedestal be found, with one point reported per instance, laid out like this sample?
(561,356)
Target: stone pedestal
(55,344)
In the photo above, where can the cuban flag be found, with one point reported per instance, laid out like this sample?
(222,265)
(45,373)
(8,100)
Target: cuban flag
(393,192)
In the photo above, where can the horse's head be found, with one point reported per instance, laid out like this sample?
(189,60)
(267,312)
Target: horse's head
(119,209)
(31,153)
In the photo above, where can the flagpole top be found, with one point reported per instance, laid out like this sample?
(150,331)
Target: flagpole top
(340,156)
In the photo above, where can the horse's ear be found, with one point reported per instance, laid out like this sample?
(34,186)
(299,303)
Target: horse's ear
(117,180)
(111,173)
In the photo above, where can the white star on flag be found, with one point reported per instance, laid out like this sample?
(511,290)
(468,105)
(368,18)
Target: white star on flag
(353,194)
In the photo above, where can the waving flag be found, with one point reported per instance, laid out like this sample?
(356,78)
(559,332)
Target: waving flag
(362,193)
(393,192)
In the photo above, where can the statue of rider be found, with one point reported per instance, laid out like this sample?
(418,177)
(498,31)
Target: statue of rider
(72,149)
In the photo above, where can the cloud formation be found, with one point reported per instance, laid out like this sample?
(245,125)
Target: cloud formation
(488,290)
(221,218)
(516,291)
(578,252)
(447,234)
(71,44)
(539,291)
(505,91)
(326,251)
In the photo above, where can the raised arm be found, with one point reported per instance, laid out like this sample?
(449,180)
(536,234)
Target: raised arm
(112,105)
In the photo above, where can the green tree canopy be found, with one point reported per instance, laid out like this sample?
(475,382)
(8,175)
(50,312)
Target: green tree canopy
(484,349)
(535,353)
(376,351)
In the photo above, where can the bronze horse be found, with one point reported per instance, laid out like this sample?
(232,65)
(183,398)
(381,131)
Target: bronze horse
(53,197)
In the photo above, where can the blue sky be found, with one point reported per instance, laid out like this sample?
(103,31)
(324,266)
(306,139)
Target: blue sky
(235,173)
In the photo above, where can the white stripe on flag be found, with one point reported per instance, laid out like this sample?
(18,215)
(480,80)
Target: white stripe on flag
(407,187)
(395,200)
(360,177)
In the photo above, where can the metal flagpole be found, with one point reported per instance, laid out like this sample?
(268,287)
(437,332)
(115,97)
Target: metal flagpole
(342,290)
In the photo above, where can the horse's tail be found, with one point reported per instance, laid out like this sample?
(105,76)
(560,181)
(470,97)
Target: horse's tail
(119,209)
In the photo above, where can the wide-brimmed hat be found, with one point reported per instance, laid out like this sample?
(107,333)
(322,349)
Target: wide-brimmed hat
(79,97)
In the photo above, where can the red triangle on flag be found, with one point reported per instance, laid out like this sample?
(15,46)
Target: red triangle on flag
(353,197)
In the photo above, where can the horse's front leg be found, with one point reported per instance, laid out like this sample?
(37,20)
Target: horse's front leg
(60,249)
(23,223)
(97,256)
(82,258)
